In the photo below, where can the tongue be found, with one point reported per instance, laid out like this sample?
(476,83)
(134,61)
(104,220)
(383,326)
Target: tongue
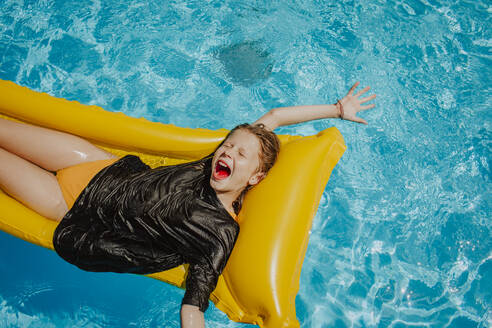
(221,173)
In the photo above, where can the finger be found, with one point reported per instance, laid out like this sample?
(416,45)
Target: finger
(360,120)
(352,89)
(366,99)
(361,92)
(367,106)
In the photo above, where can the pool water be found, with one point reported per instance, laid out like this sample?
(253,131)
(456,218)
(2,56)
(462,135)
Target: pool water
(402,237)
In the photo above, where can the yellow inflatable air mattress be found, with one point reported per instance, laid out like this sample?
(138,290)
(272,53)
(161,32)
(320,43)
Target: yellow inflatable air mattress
(261,279)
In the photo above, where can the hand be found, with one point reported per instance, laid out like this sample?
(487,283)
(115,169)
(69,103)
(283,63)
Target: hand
(351,104)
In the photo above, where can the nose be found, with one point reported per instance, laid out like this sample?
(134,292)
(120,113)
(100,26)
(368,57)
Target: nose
(228,152)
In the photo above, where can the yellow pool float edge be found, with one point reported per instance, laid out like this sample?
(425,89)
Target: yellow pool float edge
(282,216)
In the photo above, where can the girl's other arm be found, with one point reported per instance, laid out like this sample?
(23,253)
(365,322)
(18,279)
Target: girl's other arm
(346,108)
(191,317)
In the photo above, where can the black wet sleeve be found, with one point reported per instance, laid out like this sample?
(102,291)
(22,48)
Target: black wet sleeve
(200,283)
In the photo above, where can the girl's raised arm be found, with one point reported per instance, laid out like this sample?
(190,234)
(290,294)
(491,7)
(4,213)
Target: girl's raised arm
(346,108)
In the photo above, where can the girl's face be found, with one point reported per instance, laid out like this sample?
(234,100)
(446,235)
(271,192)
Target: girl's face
(235,163)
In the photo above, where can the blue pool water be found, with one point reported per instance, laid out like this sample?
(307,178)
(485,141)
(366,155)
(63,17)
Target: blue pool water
(402,237)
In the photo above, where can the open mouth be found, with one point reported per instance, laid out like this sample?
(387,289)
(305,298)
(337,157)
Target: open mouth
(222,170)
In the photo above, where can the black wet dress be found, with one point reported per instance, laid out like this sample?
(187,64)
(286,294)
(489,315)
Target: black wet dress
(131,218)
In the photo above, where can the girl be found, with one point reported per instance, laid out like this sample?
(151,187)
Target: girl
(117,214)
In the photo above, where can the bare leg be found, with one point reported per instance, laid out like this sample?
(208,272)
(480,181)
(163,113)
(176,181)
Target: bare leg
(36,188)
(50,149)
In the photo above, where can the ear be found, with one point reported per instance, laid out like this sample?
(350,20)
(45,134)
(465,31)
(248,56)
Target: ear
(256,178)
